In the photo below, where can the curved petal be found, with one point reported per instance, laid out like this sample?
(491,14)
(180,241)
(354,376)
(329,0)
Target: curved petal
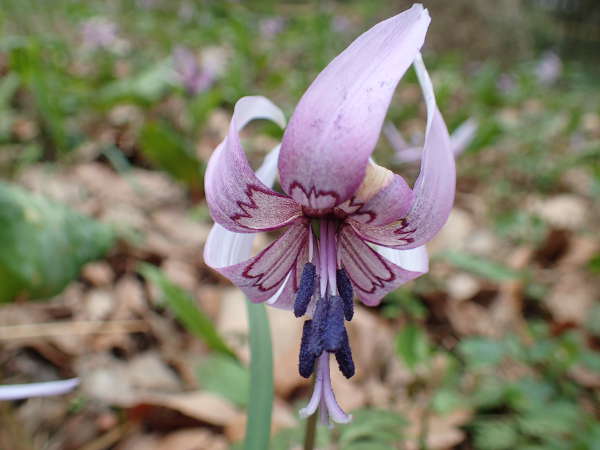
(336,124)
(284,299)
(237,199)
(262,276)
(434,188)
(372,274)
(227,248)
(45,389)
(381,198)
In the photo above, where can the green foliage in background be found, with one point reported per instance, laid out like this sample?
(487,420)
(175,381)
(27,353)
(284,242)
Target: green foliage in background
(187,311)
(167,150)
(540,409)
(44,244)
(370,429)
(225,376)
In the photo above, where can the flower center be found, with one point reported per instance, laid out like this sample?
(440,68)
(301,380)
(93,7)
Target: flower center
(325,333)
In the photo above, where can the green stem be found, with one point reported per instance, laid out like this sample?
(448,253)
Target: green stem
(310,432)
(260,405)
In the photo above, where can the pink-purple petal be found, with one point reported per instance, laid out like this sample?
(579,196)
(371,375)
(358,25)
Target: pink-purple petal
(336,124)
(372,275)
(237,199)
(262,276)
(434,188)
(391,202)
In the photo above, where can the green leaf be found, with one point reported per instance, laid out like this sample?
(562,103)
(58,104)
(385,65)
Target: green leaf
(547,421)
(481,352)
(185,309)
(258,427)
(226,377)
(412,345)
(481,266)
(496,434)
(44,244)
(146,87)
(168,151)
(373,429)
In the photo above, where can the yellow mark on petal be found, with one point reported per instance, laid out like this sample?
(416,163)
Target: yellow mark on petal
(376,178)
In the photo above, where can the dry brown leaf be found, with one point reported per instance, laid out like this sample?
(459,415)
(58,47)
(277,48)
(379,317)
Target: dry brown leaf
(98,273)
(282,418)
(193,439)
(204,406)
(571,298)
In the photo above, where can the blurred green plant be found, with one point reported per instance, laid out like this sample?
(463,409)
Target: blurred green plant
(167,150)
(226,377)
(186,310)
(370,429)
(44,244)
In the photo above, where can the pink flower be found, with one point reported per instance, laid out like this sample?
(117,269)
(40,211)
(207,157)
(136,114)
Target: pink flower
(351,226)
(191,75)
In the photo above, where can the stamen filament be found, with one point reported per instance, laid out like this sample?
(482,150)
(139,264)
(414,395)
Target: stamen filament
(323,256)
(332,259)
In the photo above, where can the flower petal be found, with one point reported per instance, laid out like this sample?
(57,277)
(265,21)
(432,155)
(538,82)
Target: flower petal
(336,124)
(237,199)
(227,248)
(21,391)
(372,274)
(381,198)
(262,276)
(434,188)
(286,297)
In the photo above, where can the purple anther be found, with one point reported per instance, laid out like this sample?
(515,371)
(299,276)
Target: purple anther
(306,364)
(345,289)
(306,290)
(344,357)
(334,327)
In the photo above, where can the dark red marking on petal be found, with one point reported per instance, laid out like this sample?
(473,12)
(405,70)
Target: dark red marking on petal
(286,260)
(310,199)
(249,208)
(365,267)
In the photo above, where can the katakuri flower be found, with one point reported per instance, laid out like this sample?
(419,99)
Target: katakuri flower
(351,226)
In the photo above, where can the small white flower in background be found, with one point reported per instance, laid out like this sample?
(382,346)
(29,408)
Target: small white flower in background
(271,27)
(549,68)
(101,33)
(45,389)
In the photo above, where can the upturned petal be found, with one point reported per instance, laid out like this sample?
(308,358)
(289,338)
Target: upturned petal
(227,248)
(237,199)
(381,198)
(262,276)
(434,188)
(333,131)
(372,274)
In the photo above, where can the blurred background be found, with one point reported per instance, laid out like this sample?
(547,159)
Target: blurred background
(109,112)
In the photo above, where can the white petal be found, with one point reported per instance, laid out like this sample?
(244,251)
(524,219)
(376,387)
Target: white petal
(21,391)
(415,259)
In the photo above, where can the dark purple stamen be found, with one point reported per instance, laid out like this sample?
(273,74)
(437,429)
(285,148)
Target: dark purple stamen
(306,365)
(306,290)
(345,289)
(319,322)
(334,327)
(344,357)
